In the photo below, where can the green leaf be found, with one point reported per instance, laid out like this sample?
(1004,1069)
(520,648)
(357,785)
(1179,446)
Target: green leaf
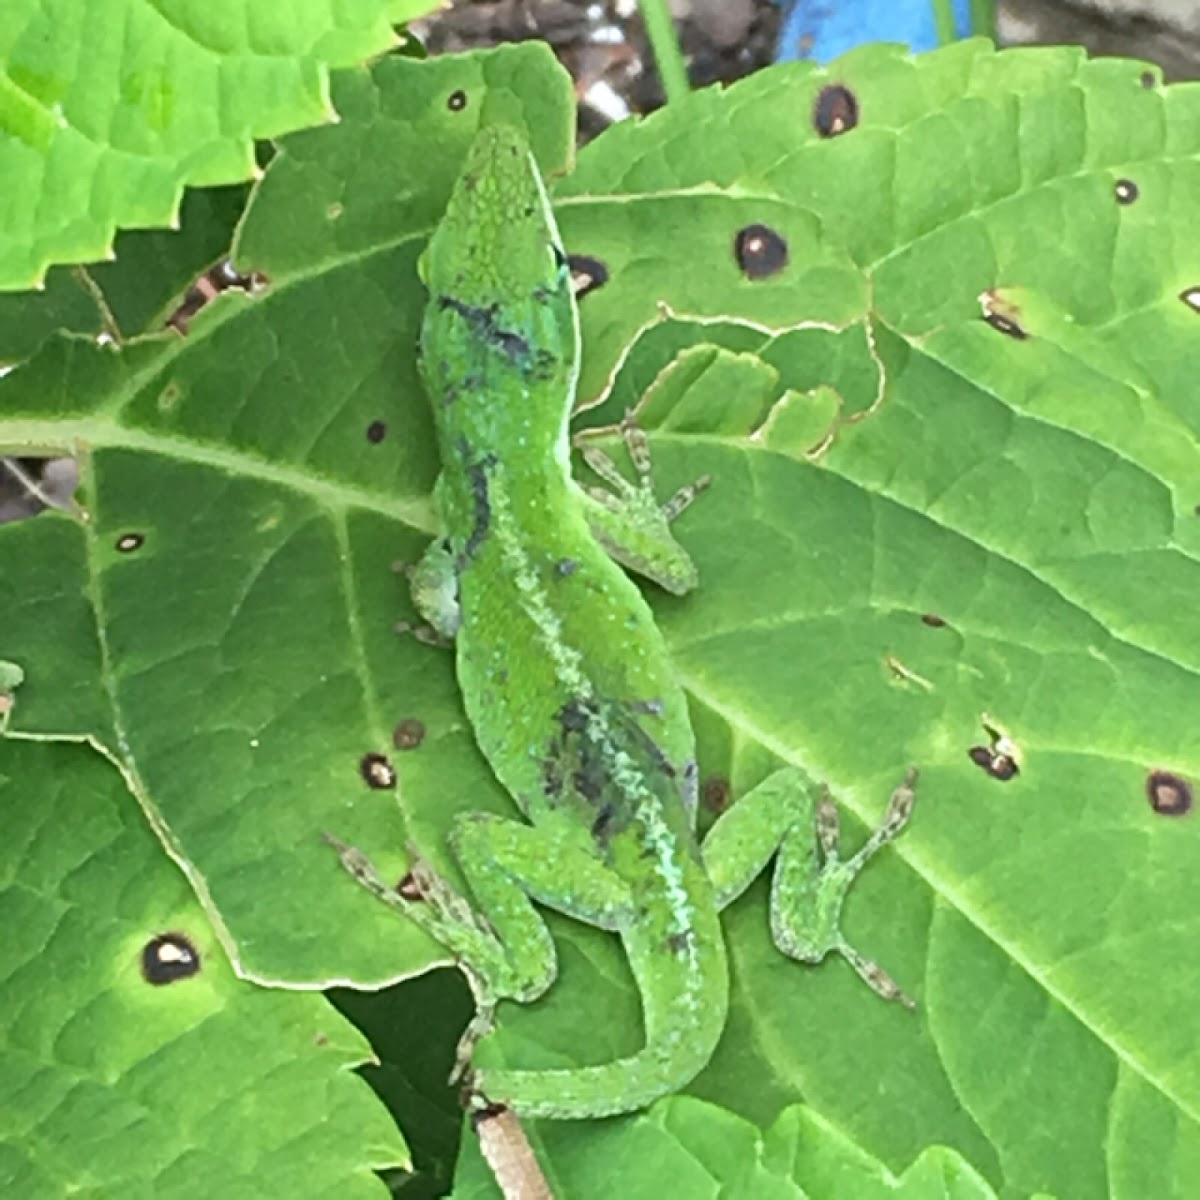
(195,1084)
(108,110)
(683,1147)
(136,292)
(267,473)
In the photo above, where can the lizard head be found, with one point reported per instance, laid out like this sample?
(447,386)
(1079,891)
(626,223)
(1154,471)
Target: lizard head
(500,301)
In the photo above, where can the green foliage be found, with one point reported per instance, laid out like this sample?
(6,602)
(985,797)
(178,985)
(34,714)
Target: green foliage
(133,294)
(920,522)
(109,109)
(698,1149)
(114,1085)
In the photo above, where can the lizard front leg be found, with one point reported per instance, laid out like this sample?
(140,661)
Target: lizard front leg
(808,888)
(628,520)
(433,584)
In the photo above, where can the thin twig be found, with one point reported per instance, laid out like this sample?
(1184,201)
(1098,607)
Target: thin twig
(84,278)
(943,19)
(32,486)
(668,58)
(983,18)
(508,1152)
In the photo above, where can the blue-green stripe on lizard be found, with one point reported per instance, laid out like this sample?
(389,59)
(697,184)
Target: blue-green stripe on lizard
(568,686)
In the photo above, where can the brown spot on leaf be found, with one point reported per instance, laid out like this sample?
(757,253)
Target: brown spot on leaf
(127,543)
(760,251)
(587,274)
(835,111)
(408,734)
(1170,795)
(168,958)
(1005,326)
(376,432)
(995,762)
(1002,314)
(377,771)
(1126,191)
(933,621)
(456,101)
(1149,79)
(716,794)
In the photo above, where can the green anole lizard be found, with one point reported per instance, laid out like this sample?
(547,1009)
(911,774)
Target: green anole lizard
(568,685)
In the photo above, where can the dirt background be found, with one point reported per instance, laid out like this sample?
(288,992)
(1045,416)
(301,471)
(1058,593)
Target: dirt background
(603,44)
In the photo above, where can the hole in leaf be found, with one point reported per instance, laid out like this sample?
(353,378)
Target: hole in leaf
(221,278)
(997,764)
(587,274)
(1126,191)
(760,251)
(377,771)
(1005,326)
(1169,794)
(168,958)
(1191,297)
(1000,758)
(835,111)
(127,543)
(457,101)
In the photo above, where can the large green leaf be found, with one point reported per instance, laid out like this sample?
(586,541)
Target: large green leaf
(122,1075)
(281,454)
(920,520)
(109,109)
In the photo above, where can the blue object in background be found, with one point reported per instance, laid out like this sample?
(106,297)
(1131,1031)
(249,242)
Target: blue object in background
(822,29)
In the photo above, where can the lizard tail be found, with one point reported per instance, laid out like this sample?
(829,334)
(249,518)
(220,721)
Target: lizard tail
(685,998)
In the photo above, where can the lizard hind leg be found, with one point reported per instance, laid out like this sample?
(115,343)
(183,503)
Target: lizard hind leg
(630,522)
(808,891)
(811,881)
